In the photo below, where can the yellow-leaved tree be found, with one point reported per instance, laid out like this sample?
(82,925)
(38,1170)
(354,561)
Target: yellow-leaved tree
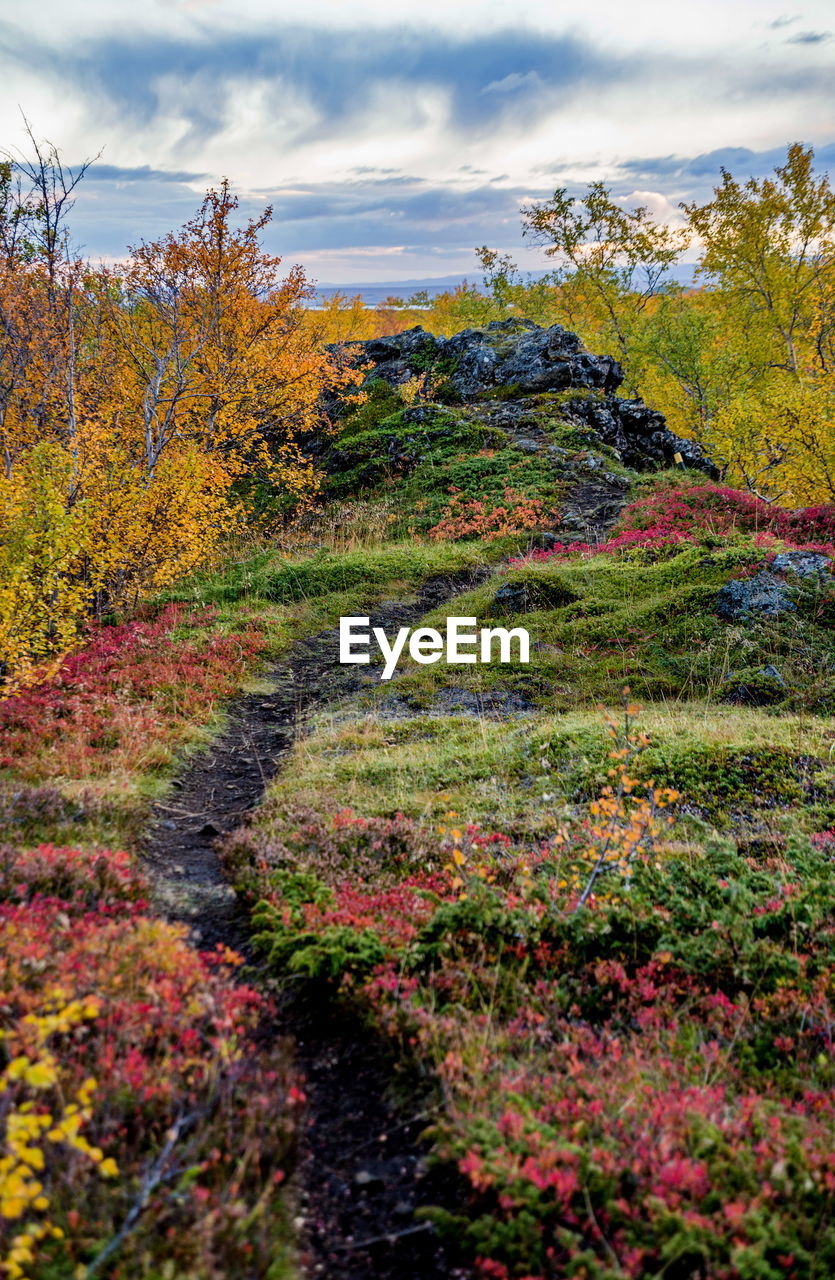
(745,362)
(141,407)
(768,257)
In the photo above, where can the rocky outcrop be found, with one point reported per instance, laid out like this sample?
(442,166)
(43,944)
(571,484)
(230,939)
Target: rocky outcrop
(517,358)
(803,564)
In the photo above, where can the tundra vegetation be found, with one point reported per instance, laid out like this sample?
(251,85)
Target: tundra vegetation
(585,901)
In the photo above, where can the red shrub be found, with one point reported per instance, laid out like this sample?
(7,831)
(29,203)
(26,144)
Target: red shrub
(120,701)
(167,1044)
(673,515)
(491,517)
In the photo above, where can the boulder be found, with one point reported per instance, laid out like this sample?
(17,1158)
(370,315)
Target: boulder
(746,599)
(511,597)
(546,592)
(804,564)
(770,593)
(759,688)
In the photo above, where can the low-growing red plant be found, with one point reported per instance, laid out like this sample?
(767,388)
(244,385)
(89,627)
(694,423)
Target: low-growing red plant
(190,1119)
(491,517)
(671,516)
(122,700)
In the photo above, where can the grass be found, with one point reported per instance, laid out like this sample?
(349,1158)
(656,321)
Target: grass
(653,626)
(104,771)
(356,576)
(738,768)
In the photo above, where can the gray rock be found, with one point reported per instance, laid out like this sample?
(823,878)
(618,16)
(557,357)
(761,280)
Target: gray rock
(543,541)
(805,564)
(757,688)
(369,1180)
(554,360)
(746,599)
(520,356)
(637,433)
(511,597)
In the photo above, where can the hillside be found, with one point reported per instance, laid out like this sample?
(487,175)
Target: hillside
(552,941)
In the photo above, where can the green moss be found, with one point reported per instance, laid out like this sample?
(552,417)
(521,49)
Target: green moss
(507,391)
(601,623)
(426,494)
(379,446)
(716,776)
(567,436)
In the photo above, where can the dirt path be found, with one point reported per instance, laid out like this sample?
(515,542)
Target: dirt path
(363,1171)
(362,1164)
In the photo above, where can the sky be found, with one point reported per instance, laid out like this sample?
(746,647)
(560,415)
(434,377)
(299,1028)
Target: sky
(393,138)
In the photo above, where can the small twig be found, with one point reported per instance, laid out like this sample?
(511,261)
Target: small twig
(153,1178)
(613,1257)
(247,736)
(186,813)
(387,1239)
(421,1115)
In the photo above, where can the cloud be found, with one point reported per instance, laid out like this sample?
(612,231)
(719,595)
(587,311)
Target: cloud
(383,214)
(515,81)
(810,37)
(700,171)
(335,73)
(382,137)
(360,218)
(140,173)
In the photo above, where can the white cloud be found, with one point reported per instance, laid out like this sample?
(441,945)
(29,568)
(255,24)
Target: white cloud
(517,80)
(630,82)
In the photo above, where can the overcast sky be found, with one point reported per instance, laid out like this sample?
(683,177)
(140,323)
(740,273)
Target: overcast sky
(391,138)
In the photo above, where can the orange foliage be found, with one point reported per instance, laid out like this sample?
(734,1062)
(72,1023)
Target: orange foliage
(490,517)
(135,405)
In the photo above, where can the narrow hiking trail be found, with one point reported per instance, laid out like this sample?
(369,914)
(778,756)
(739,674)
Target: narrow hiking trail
(362,1166)
(363,1170)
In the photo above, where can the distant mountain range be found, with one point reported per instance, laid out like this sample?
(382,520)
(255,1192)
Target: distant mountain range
(375,292)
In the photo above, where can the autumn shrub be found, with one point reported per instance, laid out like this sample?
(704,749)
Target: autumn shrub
(145,406)
(82,881)
(279,847)
(632,1037)
(128,1054)
(492,516)
(661,1096)
(126,698)
(669,516)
